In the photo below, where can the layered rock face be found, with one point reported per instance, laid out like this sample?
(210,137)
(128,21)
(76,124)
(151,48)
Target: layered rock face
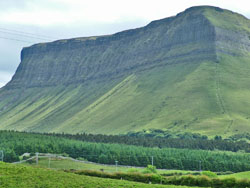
(187,73)
(107,57)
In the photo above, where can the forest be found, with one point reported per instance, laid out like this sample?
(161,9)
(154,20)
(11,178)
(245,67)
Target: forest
(187,140)
(15,144)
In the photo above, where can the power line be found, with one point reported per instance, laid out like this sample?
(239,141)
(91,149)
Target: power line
(23,35)
(17,40)
(11,30)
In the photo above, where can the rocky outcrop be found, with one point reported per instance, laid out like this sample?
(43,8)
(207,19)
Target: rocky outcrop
(188,36)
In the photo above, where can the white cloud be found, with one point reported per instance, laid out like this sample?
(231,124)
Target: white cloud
(4,78)
(51,12)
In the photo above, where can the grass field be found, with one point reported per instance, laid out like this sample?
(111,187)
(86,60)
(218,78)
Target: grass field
(239,175)
(15,176)
(66,164)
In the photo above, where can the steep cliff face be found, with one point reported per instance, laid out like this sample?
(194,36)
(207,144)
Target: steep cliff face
(184,73)
(107,57)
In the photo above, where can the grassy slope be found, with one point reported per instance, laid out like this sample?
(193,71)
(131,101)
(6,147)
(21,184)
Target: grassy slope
(240,175)
(206,97)
(48,107)
(64,164)
(175,97)
(228,20)
(13,176)
(232,92)
(159,98)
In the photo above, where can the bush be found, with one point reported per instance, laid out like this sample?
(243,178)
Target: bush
(25,157)
(173,174)
(65,155)
(139,177)
(133,170)
(224,173)
(209,174)
(217,183)
(31,161)
(229,182)
(195,173)
(203,181)
(150,169)
(32,154)
(188,180)
(155,178)
(81,159)
(243,183)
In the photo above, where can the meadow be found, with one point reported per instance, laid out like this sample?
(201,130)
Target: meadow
(66,164)
(13,176)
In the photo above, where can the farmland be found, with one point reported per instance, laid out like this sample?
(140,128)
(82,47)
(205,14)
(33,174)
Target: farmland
(12,176)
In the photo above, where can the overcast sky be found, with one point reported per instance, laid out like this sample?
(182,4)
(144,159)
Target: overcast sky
(25,22)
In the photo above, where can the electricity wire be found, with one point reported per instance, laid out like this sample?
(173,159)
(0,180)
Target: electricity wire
(7,38)
(26,33)
(23,35)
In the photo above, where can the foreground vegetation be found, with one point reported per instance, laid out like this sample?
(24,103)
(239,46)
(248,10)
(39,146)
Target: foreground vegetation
(203,179)
(66,164)
(239,175)
(15,144)
(189,180)
(14,176)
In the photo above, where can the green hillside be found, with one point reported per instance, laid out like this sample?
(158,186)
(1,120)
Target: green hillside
(13,176)
(197,81)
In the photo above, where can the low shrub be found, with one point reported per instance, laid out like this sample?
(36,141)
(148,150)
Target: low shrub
(81,159)
(188,180)
(203,181)
(229,182)
(209,174)
(150,169)
(181,174)
(243,183)
(133,170)
(173,174)
(224,173)
(217,183)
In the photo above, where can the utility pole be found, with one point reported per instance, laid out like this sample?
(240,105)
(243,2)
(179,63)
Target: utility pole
(116,163)
(37,158)
(152,160)
(200,165)
(49,161)
(2,155)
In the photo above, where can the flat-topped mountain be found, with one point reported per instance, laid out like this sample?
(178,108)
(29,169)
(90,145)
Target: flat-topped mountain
(107,57)
(188,73)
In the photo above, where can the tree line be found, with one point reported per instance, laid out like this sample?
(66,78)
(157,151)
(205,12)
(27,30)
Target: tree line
(181,142)
(15,144)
